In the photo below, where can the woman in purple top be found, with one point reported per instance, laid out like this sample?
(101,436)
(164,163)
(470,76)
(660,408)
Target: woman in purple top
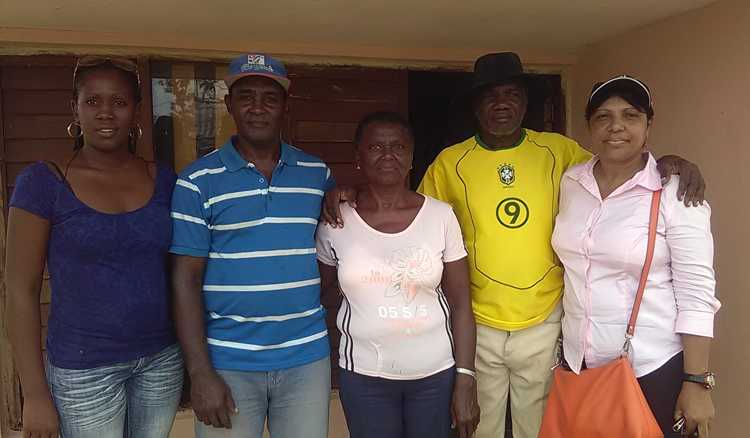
(102,226)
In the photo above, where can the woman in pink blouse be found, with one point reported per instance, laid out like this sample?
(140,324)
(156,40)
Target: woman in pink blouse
(601,235)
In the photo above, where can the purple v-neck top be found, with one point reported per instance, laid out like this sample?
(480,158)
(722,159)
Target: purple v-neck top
(110,296)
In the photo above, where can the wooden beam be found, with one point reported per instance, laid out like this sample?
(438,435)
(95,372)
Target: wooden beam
(146,143)
(10,390)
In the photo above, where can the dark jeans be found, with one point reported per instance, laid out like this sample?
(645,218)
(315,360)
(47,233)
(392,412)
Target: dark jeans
(376,407)
(661,388)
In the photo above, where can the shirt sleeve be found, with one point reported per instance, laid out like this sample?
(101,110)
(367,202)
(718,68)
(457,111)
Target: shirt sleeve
(330,181)
(691,246)
(36,191)
(454,241)
(190,220)
(325,252)
(431,184)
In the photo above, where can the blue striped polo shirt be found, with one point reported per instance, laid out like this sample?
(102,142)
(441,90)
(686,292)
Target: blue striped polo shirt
(261,287)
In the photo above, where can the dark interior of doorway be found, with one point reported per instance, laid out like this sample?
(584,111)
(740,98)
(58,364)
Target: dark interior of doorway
(440,121)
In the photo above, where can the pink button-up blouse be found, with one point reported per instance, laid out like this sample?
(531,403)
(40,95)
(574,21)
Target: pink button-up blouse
(602,245)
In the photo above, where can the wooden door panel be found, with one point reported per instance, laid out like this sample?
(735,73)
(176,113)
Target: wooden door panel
(331,153)
(346,174)
(340,111)
(29,150)
(353,90)
(29,77)
(37,102)
(35,126)
(322,131)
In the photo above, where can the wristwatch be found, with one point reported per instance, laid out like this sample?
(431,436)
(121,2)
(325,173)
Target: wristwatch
(707,380)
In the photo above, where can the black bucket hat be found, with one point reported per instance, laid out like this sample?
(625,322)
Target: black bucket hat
(500,68)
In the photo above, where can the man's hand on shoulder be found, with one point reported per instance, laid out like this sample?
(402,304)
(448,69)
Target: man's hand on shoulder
(692,185)
(331,214)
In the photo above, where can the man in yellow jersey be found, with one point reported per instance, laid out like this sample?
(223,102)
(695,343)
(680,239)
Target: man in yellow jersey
(503,184)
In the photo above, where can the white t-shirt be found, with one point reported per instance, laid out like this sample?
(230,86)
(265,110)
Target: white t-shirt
(394,318)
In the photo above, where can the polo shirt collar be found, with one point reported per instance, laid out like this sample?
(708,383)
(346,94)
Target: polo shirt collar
(233,161)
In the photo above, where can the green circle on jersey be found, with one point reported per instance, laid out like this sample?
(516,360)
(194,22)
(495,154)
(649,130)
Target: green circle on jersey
(512,213)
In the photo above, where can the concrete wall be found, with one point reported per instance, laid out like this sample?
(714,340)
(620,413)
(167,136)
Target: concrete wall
(698,66)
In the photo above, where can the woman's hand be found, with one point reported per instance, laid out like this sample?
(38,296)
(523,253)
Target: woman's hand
(40,418)
(331,214)
(464,406)
(695,404)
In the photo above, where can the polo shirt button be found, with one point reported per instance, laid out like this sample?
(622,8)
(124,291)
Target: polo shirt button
(261,180)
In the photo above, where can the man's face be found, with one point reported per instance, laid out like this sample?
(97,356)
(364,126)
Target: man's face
(500,109)
(257,105)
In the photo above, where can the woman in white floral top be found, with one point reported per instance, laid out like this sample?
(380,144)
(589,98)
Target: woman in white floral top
(407,330)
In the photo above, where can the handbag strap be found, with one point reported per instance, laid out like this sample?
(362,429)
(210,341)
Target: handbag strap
(652,222)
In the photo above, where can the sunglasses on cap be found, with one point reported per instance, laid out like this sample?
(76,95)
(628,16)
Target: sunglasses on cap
(119,63)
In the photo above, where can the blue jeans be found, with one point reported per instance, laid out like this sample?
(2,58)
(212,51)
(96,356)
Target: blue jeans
(135,399)
(376,407)
(294,400)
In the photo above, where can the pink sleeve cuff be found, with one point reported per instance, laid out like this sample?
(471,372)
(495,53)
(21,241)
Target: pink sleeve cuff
(695,322)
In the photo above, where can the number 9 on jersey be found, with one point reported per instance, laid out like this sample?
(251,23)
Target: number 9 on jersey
(512,213)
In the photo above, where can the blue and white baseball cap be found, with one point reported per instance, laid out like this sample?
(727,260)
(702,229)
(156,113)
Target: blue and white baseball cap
(257,64)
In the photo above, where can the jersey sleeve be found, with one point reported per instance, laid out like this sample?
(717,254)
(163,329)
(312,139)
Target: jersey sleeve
(433,181)
(577,154)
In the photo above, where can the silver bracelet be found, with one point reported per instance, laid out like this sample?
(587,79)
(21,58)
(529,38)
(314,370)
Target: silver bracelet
(467,371)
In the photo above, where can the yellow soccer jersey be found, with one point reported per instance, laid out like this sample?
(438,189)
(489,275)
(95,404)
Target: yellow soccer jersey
(506,201)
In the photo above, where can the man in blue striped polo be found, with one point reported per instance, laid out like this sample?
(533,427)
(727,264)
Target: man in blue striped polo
(246,284)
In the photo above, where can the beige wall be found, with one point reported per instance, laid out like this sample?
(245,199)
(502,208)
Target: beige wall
(698,67)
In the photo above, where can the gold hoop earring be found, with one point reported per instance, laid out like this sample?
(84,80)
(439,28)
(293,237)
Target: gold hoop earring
(136,132)
(77,125)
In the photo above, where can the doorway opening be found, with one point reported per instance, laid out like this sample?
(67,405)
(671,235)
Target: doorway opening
(439,121)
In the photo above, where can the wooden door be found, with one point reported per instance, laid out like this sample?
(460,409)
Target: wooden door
(324,108)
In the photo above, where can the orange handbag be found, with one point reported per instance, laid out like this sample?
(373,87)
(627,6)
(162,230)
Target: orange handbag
(605,402)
